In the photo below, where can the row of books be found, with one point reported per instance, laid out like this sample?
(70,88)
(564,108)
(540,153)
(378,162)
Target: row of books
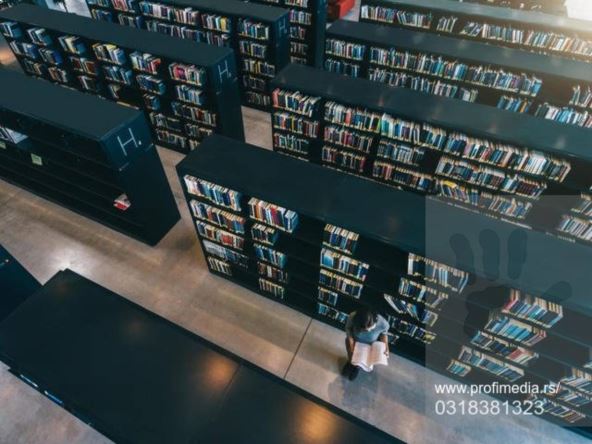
(412,330)
(341,159)
(300,17)
(340,239)
(187,74)
(219,266)
(298,125)
(188,94)
(254,30)
(564,115)
(555,409)
(344,137)
(423,84)
(331,313)
(344,264)
(163,121)
(576,227)
(258,98)
(572,397)
(252,49)
(514,104)
(258,67)
(217,194)
(195,114)
(221,218)
(490,178)
(220,236)
(515,330)
(342,67)
(490,364)
(270,255)
(328,296)
(340,283)
(416,312)
(458,368)
(353,117)
(437,273)
(226,254)
(175,139)
(533,309)
(501,204)
(391,15)
(533,39)
(400,153)
(264,234)
(584,207)
(271,272)
(509,351)
(579,380)
(421,293)
(295,102)
(291,143)
(125,5)
(51,56)
(341,48)
(274,215)
(145,62)
(187,16)
(272,288)
(402,176)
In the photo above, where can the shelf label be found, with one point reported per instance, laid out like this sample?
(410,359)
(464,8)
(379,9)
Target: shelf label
(36,160)
(224,72)
(124,144)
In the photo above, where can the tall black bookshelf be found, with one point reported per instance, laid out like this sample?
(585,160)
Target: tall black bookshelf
(518,167)
(187,91)
(507,78)
(308,21)
(335,242)
(258,34)
(16,283)
(529,30)
(86,154)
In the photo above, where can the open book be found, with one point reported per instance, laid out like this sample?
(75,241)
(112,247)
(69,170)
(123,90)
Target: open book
(367,356)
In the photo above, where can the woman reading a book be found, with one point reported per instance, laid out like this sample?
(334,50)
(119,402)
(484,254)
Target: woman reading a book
(364,327)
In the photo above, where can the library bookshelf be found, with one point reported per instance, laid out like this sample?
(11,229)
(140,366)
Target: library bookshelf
(437,145)
(258,34)
(308,21)
(531,30)
(186,90)
(543,85)
(86,154)
(328,253)
(16,283)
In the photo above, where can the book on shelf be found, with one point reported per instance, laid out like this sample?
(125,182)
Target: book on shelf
(217,216)
(344,264)
(458,368)
(564,115)
(418,313)
(578,379)
(11,136)
(249,28)
(515,330)
(187,74)
(264,234)
(328,296)
(332,313)
(291,142)
(533,309)
(274,215)
(414,331)
(340,239)
(72,44)
(217,194)
(270,255)
(340,283)
(353,117)
(272,288)
(572,397)
(220,266)
(421,293)
(367,356)
(558,410)
(109,53)
(299,125)
(220,236)
(490,364)
(342,67)
(225,254)
(337,135)
(437,273)
(39,36)
(351,161)
(295,102)
(508,350)
(271,272)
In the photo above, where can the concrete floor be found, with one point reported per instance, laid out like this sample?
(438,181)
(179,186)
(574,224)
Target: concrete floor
(172,280)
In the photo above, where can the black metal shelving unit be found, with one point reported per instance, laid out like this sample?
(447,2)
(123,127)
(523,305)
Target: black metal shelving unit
(308,21)
(429,144)
(261,51)
(16,283)
(86,154)
(179,120)
(204,392)
(400,249)
(507,78)
(529,30)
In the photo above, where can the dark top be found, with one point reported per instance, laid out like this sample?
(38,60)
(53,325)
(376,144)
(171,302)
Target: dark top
(139,378)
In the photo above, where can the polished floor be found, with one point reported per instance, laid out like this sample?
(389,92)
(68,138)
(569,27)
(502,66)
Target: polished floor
(172,280)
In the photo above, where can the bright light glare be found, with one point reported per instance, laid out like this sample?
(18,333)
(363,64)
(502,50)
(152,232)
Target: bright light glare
(579,9)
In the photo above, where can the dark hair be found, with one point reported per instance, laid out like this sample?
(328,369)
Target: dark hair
(364,318)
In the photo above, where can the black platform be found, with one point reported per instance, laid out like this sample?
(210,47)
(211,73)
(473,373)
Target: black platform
(138,378)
